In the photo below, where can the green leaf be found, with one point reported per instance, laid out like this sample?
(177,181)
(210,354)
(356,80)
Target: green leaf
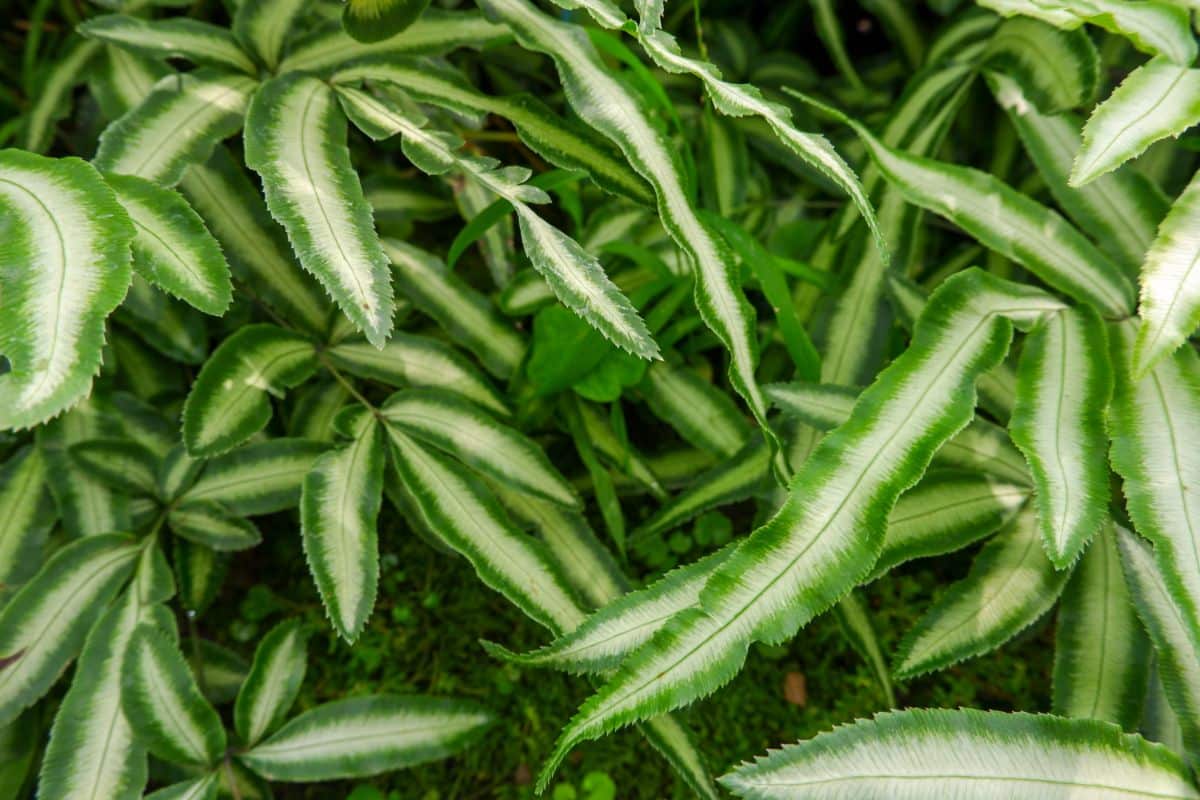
(296,141)
(52,100)
(86,505)
(202,788)
(703,415)
(262,28)
(164,706)
(27,514)
(273,682)
(364,736)
(968,754)
(230,400)
(179,123)
(258,478)
(121,463)
(44,626)
(1057,69)
(178,37)
(1157,100)
(1170,278)
(339,506)
(1064,383)
(66,239)
(209,524)
(376,20)
(172,247)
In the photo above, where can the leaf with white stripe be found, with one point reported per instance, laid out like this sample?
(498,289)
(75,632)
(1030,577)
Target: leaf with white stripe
(1175,644)
(296,141)
(164,706)
(203,788)
(376,20)
(703,415)
(44,626)
(172,247)
(364,736)
(1006,221)
(969,755)
(1064,382)
(466,432)
(273,682)
(1010,585)
(86,505)
(409,360)
(339,506)
(258,478)
(230,400)
(1154,423)
(1156,100)
(64,267)
(459,509)
(123,464)
(179,123)
(1101,655)
(177,37)
(209,524)
(1058,70)
(1170,278)
(27,514)
(263,27)
(828,533)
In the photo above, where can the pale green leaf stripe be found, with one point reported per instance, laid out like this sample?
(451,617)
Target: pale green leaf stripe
(1152,27)
(51,101)
(86,505)
(262,27)
(92,753)
(230,400)
(1155,424)
(1101,655)
(364,736)
(1006,221)
(164,706)
(44,626)
(1170,279)
(472,436)
(27,514)
(208,524)
(172,247)
(258,478)
(410,360)
(1010,585)
(607,105)
(296,140)
(1157,100)
(178,37)
(339,506)
(436,32)
(945,512)
(575,275)
(703,415)
(273,682)
(64,264)
(458,508)
(466,315)
(1121,211)
(203,788)
(1178,656)
(178,124)
(1058,69)
(256,247)
(609,635)
(830,530)
(969,755)
(1064,382)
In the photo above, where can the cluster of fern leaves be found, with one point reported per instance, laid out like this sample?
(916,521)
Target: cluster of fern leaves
(555,279)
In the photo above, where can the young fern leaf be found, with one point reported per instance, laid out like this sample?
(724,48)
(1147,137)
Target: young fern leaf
(173,248)
(574,274)
(262,28)
(258,478)
(339,507)
(296,141)
(44,625)
(1157,100)
(177,124)
(1010,585)
(273,682)
(64,265)
(1175,645)
(179,37)
(164,706)
(364,736)
(1064,384)
(1170,279)
(967,754)
(230,400)
(829,532)
(1101,655)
